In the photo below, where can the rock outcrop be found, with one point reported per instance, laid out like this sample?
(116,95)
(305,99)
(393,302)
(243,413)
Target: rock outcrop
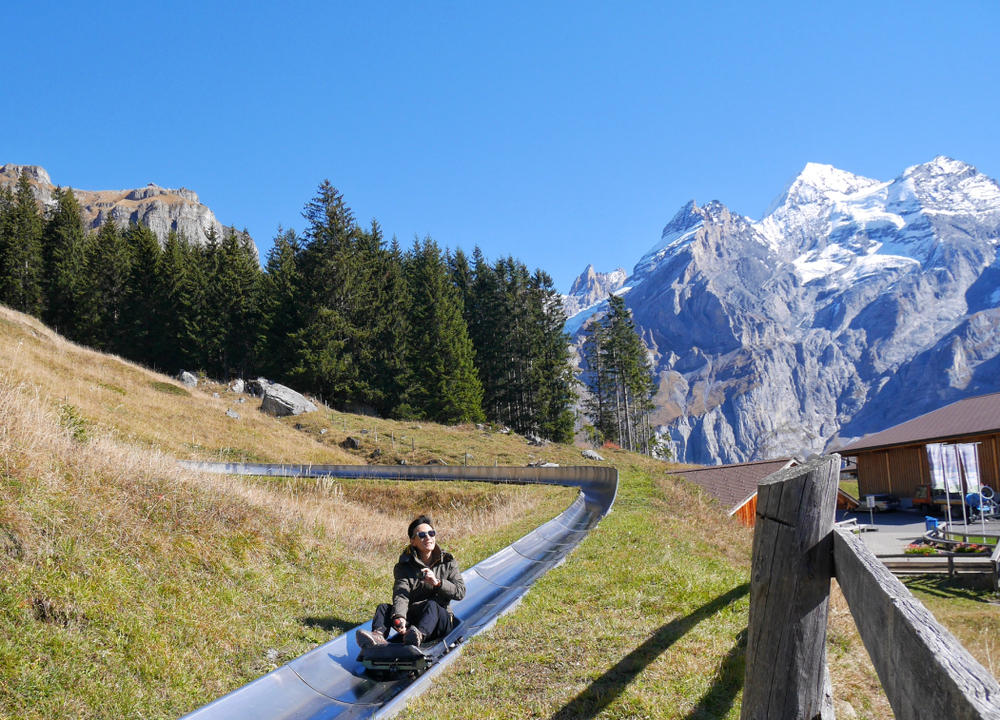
(160,209)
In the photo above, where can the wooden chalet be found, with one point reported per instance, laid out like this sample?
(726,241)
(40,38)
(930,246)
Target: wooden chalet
(895,460)
(735,486)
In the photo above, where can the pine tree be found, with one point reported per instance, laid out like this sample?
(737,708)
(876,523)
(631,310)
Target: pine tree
(108,263)
(21,281)
(328,343)
(141,320)
(280,298)
(553,376)
(63,254)
(444,385)
(172,280)
(232,312)
(619,378)
(390,315)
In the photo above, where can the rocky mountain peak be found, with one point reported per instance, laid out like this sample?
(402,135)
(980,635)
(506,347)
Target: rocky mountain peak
(591,288)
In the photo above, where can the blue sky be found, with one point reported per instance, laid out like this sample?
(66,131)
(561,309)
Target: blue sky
(562,133)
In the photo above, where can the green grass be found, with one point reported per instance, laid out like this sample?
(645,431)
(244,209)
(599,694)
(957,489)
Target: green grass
(850,487)
(646,619)
(169,388)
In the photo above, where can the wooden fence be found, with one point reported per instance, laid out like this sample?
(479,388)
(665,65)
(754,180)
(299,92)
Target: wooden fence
(925,671)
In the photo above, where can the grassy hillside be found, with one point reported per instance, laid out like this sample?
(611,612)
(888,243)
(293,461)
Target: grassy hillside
(131,589)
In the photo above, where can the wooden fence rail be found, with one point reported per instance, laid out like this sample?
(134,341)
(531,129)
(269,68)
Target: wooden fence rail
(925,671)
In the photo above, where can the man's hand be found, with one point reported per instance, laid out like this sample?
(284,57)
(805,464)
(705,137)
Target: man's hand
(399,624)
(429,578)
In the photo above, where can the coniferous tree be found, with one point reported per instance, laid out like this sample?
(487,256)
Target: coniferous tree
(281,294)
(141,319)
(553,376)
(231,304)
(172,280)
(328,342)
(390,316)
(21,281)
(444,385)
(619,378)
(64,257)
(108,263)
(198,331)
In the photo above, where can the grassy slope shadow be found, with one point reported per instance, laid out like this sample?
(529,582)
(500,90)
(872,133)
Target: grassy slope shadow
(603,691)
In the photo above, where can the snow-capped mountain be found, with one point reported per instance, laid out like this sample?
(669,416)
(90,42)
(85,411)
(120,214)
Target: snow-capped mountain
(853,304)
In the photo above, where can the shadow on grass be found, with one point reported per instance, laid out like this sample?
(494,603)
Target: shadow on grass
(719,699)
(975,588)
(329,624)
(603,691)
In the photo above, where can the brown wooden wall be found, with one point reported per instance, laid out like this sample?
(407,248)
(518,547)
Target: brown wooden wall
(747,512)
(900,470)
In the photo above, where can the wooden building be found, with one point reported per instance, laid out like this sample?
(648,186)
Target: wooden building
(895,460)
(735,486)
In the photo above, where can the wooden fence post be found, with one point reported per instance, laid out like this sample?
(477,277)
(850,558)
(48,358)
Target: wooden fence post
(786,673)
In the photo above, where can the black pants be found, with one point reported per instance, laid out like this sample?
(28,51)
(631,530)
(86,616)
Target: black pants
(432,620)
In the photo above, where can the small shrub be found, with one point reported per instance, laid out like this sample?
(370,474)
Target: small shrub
(920,549)
(71,419)
(970,548)
(169,388)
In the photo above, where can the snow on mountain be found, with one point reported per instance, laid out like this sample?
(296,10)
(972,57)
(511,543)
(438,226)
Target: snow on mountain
(781,335)
(587,292)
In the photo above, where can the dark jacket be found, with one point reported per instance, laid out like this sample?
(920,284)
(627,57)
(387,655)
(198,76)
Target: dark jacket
(409,590)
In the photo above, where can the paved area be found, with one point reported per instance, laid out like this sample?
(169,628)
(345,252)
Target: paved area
(893,531)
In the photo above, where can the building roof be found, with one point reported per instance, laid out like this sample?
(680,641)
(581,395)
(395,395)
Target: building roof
(971,416)
(733,485)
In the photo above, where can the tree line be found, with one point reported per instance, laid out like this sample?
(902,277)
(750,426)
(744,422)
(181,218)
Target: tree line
(336,311)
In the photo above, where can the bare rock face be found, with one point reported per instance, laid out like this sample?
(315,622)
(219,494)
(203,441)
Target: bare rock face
(281,401)
(160,209)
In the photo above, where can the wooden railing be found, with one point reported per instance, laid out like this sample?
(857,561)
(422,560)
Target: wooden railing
(925,671)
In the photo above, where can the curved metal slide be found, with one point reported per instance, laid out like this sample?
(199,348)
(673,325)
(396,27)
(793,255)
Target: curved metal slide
(328,681)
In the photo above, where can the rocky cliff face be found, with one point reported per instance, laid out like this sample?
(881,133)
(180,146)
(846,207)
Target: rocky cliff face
(854,304)
(591,288)
(160,209)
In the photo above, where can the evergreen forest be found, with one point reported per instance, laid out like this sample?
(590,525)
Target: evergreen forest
(337,311)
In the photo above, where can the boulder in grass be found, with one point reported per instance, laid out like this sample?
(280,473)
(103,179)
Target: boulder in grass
(281,401)
(233,414)
(238,387)
(187,378)
(258,386)
(350,443)
(592,455)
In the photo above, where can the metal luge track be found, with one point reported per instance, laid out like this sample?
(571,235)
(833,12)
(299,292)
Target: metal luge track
(328,681)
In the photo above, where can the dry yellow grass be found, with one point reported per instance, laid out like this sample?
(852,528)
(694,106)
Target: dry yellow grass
(137,404)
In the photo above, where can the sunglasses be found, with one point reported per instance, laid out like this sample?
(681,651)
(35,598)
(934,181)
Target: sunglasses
(429,533)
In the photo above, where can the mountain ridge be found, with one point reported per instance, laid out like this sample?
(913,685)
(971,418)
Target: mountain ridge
(792,333)
(158,208)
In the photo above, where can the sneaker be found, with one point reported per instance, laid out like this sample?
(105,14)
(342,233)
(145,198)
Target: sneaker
(413,636)
(368,639)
